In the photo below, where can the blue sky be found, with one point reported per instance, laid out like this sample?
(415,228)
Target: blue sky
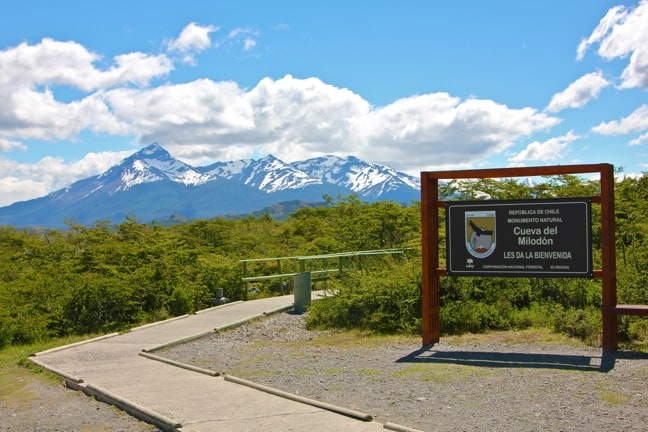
(418,85)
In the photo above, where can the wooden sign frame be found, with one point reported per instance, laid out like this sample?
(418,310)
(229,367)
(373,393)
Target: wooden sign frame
(430,204)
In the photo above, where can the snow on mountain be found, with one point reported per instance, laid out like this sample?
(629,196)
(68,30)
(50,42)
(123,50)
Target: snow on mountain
(268,174)
(154,163)
(365,179)
(149,165)
(528,181)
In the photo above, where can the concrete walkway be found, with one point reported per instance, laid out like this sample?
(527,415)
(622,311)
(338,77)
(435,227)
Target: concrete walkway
(122,369)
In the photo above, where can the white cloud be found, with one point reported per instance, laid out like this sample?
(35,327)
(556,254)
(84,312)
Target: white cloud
(248,44)
(28,106)
(434,130)
(578,93)
(197,112)
(7,145)
(27,181)
(13,189)
(30,114)
(612,18)
(246,37)
(137,68)
(294,118)
(51,62)
(622,33)
(637,121)
(552,149)
(642,138)
(193,39)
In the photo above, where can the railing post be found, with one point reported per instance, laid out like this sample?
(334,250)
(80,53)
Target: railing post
(246,284)
(302,291)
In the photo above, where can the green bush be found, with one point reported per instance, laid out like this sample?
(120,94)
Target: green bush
(585,324)
(536,315)
(384,301)
(474,317)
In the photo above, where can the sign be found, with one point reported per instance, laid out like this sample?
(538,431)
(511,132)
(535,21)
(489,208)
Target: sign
(530,238)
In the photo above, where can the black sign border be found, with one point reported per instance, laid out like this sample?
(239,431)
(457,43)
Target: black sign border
(588,273)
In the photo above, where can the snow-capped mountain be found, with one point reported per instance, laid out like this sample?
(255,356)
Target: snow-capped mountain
(149,165)
(368,180)
(268,174)
(152,185)
(154,163)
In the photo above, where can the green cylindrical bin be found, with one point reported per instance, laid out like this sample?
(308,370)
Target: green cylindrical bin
(302,292)
(219,293)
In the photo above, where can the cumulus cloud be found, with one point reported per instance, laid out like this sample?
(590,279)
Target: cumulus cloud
(192,40)
(637,121)
(623,33)
(28,106)
(552,149)
(51,62)
(612,18)
(440,130)
(30,114)
(27,181)
(578,93)
(7,145)
(14,189)
(296,118)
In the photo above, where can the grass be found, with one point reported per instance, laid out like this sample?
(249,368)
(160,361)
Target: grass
(333,371)
(613,397)
(441,373)
(16,371)
(370,372)
(527,336)
(342,339)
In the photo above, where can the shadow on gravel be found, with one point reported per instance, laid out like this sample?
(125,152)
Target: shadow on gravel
(603,363)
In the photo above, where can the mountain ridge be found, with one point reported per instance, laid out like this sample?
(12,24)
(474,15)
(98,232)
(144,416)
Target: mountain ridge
(151,185)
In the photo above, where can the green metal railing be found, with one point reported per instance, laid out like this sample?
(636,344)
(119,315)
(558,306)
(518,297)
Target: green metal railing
(329,264)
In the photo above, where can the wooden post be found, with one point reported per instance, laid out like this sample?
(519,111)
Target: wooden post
(610,338)
(430,295)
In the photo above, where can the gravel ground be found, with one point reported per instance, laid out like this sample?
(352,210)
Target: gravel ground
(459,385)
(40,406)
(466,384)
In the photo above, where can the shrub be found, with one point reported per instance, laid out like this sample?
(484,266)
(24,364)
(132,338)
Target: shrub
(384,301)
(585,324)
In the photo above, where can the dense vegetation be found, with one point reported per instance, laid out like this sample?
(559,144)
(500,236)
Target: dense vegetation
(105,277)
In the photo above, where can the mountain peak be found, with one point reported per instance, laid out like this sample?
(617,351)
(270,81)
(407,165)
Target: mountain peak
(154,149)
(152,164)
